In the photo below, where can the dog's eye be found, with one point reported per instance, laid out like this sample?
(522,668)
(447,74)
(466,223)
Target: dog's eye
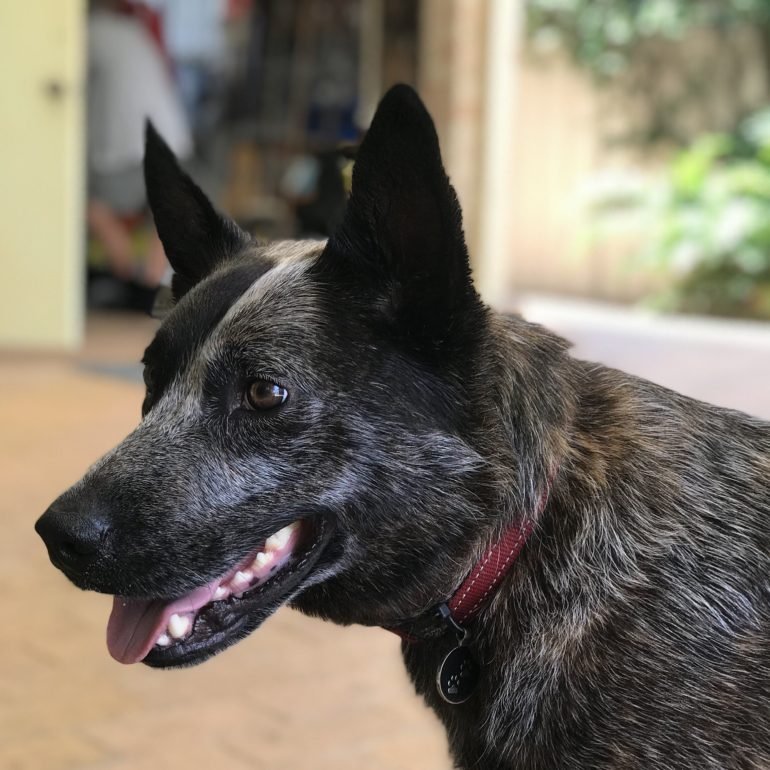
(263,394)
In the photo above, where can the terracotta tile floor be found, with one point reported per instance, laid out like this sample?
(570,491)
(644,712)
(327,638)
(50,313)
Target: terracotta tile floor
(298,693)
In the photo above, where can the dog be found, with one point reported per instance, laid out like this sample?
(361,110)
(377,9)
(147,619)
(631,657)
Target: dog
(345,427)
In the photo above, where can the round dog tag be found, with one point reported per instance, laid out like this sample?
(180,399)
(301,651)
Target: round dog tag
(457,676)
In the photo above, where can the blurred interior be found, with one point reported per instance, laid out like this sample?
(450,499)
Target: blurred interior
(613,163)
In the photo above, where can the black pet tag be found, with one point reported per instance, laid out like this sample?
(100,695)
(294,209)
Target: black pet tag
(457,676)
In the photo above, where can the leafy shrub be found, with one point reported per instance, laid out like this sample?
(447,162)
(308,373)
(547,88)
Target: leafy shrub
(707,223)
(603,35)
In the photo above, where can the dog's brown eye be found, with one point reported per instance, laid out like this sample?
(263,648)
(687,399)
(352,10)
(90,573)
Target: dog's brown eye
(263,394)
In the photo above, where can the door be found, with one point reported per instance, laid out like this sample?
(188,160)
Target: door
(42,135)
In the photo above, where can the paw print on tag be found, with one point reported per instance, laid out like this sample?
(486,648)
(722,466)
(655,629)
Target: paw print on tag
(457,676)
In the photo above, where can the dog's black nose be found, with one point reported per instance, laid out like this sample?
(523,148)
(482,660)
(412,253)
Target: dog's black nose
(73,539)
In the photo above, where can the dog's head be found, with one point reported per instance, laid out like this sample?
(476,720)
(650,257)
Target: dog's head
(309,428)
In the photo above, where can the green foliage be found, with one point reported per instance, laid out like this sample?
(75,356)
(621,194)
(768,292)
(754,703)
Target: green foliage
(604,35)
(671,68)
(708,224)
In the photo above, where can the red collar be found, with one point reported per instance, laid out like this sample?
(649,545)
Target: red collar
(486,576)
(489,571)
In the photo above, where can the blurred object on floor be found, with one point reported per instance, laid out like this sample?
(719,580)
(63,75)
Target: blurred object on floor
(128,82)
(106,292)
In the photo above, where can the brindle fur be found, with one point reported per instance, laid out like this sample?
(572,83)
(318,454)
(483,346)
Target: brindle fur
(634,629)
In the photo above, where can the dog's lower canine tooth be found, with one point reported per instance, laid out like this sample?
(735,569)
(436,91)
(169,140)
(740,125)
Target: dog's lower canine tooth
(179,625)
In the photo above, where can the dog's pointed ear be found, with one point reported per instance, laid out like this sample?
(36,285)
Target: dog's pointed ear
(402,234)
(195,236)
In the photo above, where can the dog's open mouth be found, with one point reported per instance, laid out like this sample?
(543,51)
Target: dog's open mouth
(193,627)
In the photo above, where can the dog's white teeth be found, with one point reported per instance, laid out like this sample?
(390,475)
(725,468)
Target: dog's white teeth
(263,559)
(220,594)
(281,538)
(179,625)
(241,580)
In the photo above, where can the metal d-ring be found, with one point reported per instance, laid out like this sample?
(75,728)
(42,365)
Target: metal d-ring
(446,614)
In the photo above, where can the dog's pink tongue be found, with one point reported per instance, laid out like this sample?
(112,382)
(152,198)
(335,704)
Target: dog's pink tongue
(133,627)
(135,624)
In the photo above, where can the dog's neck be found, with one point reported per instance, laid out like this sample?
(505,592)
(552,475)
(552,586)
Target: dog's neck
(531,363)
(479,585)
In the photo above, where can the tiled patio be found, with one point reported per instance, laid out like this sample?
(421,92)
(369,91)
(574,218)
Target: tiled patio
(297,694)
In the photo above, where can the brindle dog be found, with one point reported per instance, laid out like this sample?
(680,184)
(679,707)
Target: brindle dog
(346,427)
